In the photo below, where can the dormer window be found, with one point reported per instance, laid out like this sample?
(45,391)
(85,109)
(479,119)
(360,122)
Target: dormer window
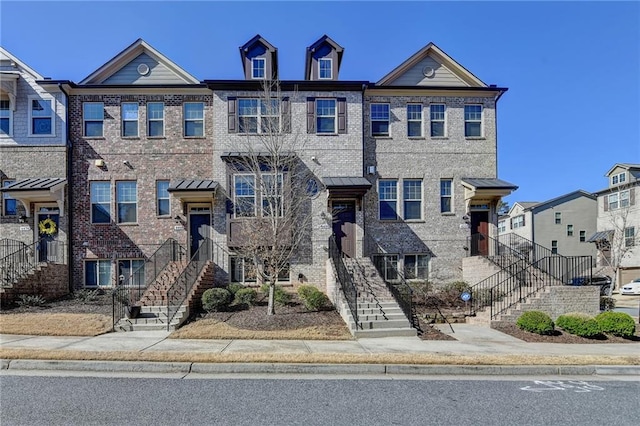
(257,68)
(325,69)
(619,178)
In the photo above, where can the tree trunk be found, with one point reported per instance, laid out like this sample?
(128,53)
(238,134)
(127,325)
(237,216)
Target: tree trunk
(271,306)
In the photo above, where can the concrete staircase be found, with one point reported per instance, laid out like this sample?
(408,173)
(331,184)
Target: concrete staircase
(379,315)
(154,310)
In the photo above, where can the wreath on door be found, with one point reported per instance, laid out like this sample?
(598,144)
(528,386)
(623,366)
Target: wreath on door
(47,227)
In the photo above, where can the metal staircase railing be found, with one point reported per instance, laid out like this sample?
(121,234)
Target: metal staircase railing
(178,293)
(130,288)
(345,279)
(9,246)
(525,269)
(22,259)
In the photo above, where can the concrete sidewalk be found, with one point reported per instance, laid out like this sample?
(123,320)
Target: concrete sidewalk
(471,340)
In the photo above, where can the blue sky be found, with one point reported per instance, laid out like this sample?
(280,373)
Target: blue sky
(572,68)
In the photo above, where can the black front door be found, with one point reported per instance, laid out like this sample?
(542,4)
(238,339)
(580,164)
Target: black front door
(344,220)
(198,230)
(47,236)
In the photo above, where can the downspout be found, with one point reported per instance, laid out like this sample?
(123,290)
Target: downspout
(69,193)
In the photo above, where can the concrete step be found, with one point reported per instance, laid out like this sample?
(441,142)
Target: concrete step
(390,332)
(380,317)
(378,324)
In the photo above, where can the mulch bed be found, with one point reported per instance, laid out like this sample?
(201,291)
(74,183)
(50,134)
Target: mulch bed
(101,304)
(559,336)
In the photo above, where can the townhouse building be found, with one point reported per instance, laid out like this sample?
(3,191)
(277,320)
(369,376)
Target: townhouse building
(34,219)
(562,224)
(618,223)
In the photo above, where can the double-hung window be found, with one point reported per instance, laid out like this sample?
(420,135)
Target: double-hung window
(416,266)
(414,120)
(446,195)
(100,202)
(9,205)
(127,201)
(41,117)
(558,218)
(259,116)
(412,198)
(163,206)
(517,222)
(97,273)
(624,199)
(387,265)
(129,119)
(618,178)
(630,236)
(258,68)
(380,119)
(388,199)
(583,236)
(244,195)
(271,190)
(325,70)
(613,201)
(326,115)
(6,118)
(93,118)
(436,112)
(473,120)
(554,246)
(193,119)
(155,119)
(569,230)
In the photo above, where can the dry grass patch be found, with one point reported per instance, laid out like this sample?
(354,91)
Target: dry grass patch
(55,324)
(325,358)
(211,328)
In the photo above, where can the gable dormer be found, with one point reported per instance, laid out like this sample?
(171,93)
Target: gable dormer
(139,64)
(623,174)
(323,60)
(259,59)
(431,66)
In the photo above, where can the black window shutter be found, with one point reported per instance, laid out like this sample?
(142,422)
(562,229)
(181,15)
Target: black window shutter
(311,115)
(286,115)
(342,115)
(232,112)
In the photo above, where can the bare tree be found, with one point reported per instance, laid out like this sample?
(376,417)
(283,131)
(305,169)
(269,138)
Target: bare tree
(615,244)
(271,182)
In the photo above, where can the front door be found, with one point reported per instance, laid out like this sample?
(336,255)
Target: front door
(199,224)
(344,227)
(48,220)
(479,233)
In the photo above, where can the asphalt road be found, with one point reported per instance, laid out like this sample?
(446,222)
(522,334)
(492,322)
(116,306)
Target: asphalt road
(37,400)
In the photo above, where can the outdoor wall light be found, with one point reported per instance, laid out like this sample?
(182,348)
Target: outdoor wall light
(178,219)
(22,219)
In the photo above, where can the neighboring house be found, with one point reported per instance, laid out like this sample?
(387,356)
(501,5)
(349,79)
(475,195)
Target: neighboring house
(562,224)
(33,168)
(141,128)
(430,153)
(618,223)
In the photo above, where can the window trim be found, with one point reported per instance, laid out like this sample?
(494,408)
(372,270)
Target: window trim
(405,200)
(558,218)
(388,262)
(119,203)
(629,237)
(583,236)
(334,117)
(446,196)
(569,230)
(443,120)
(517,221)
(372,120)
(92,203)
(395,200)
(6,197)
(186,120)
(9,117)
(123,120)
(85,121)
(97,263)
(481,120)
(149,120)
(320,61)
(416,276)
(254,68)
(159,198)
(619,178)
(259,115)
(414,120)
(554,246)
(51,117)
(139,268)
(252,196)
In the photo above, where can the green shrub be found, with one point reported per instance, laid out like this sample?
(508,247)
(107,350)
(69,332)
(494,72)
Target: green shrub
(27,300)
(245,296)
(216,299)
(313,299)
(579,325)
(234,287)
(457,286)
(280,295)
(535,322)
(607,303)
(88,295)
(616,323)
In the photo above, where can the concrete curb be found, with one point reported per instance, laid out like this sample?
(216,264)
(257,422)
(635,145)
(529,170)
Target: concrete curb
(336,369)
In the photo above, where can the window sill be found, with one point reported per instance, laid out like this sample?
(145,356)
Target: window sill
(416,138)
(415,221)
(94,137)
(440,138)
(41,136)
(447,213)
(195,137)
(475,138)
(327,134)
(382,137)
(131,137)
(156,137)
(128,224)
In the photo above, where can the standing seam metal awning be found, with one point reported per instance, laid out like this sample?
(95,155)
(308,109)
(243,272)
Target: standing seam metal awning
(193,189)
(346,185)
(37,190)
